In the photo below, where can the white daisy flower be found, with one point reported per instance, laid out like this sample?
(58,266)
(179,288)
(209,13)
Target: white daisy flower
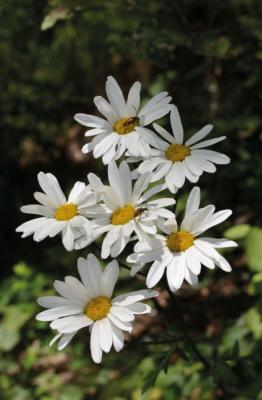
(175,160)
(180,251)
(125,209)
(122,128)
(59,214)
(90,304)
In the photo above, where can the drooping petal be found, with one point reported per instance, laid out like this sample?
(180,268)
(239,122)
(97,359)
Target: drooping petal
(96,351)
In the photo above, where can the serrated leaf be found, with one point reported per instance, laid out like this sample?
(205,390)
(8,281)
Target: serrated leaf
(151,378)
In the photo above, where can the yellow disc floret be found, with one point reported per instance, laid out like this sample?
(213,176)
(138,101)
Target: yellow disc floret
(98,308)
(66,212)
(177,152)
(123,215)
(179,241)
(125,125)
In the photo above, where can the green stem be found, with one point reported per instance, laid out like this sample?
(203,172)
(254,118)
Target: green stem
(195,350)
(156,342)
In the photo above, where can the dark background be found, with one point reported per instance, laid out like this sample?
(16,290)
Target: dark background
(54,58)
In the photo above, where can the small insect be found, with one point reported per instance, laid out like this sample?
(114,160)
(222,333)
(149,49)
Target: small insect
(140,211)
(130,121)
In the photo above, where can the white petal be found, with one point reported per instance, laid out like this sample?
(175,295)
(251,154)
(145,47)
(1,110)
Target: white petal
(45,200)
(77,289)
(176,271)
(151,192)
(140,186)
(133,99)
(71,324)
(161,171)
(105,108)
(49,184)
(178,174)
(176,124)
(190,277)
(115,96)
(213,156)
(152,103)
(207,143)
(104,145)
(218,218)
(76,191)
(124,325)
(65,339)
(115,181)
(110,238)
(164,133)
(38,210)
(95,348)
(53,301)
(118,338)
(94,274)
(201,134)
(30,227)
(109,278)
(125,176)
(58,312)
(68,238)
(192,260)
(155,273)
(121,313)
(90,120)
(133,297)
(220,243)
(105,334)
(193,201)
(139,308)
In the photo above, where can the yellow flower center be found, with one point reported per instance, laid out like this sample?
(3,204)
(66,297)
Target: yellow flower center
(123,215)
(179,241)
(125,125)
(65,212)
(177,152)
(98,308)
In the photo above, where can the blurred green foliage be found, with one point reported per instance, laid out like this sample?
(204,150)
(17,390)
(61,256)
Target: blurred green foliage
(55,56)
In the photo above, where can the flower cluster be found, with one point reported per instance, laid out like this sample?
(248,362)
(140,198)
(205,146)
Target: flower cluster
(131,207)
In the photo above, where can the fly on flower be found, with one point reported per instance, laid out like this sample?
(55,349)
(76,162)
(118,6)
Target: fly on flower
(179,251)
(89,303)
(122,127)
(125,208)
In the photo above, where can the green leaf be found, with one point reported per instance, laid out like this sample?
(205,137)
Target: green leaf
(15,316)
(254,321)
(223,373)
(255,285)
(151,378)
(254,249)
(237,232)
(235,350)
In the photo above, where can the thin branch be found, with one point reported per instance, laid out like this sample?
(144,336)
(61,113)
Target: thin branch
(156,342)
(194,348)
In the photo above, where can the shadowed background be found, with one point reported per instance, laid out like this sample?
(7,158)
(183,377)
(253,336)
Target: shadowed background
(54,58)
